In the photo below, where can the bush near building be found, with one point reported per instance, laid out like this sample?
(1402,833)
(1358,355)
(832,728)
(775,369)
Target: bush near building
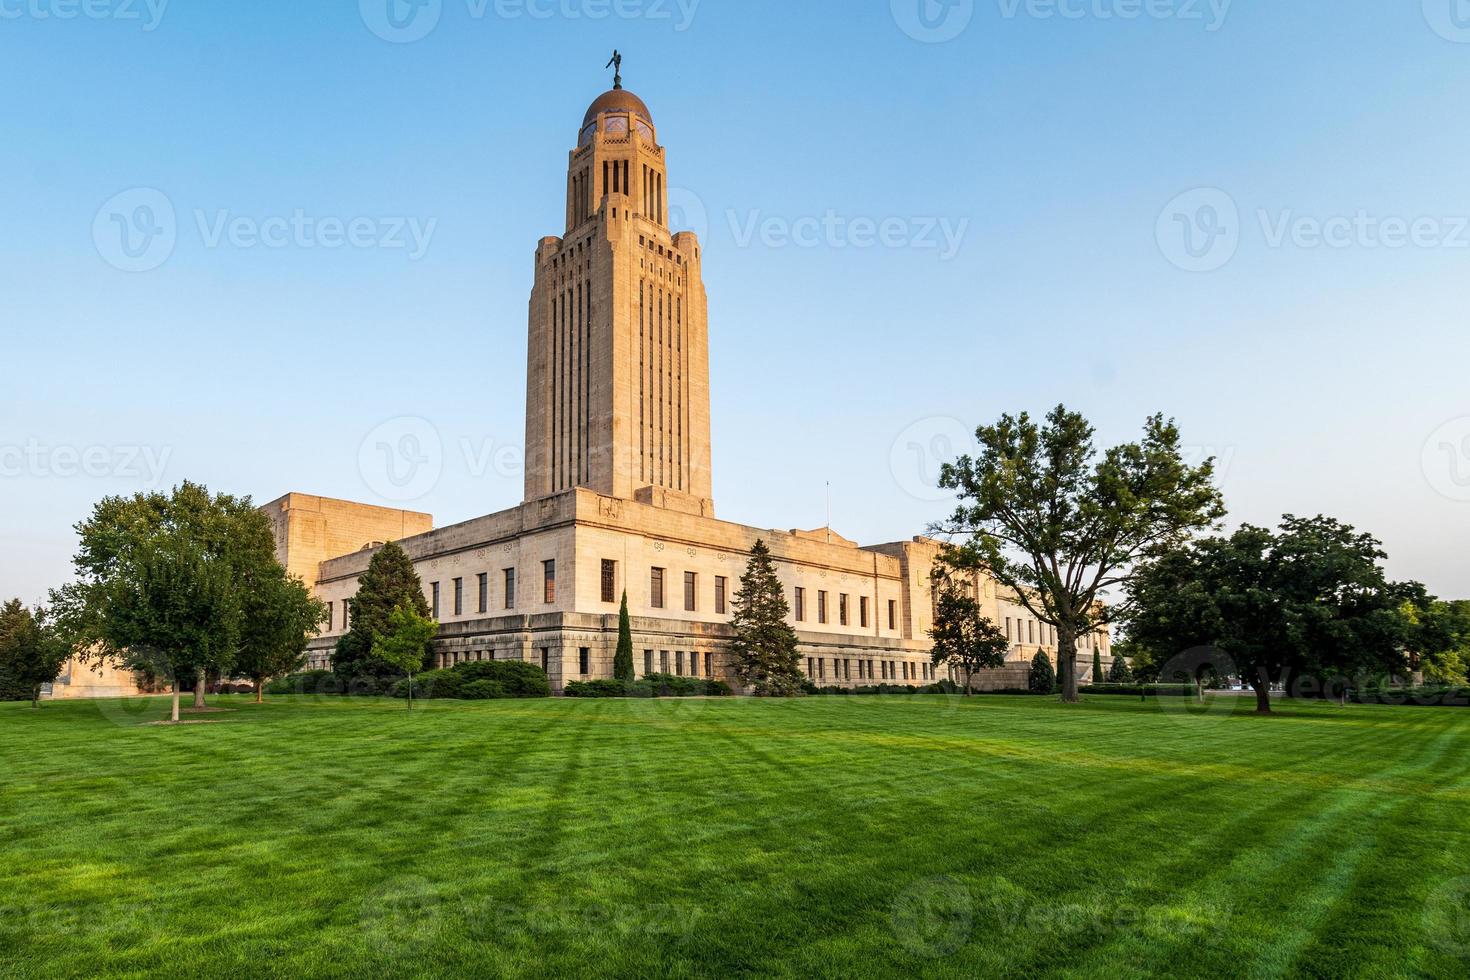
(651,686)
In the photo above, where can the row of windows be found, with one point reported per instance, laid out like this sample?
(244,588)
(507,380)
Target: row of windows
(657,591)
(482,591)
(843,609)
(888,670)
(1020,630)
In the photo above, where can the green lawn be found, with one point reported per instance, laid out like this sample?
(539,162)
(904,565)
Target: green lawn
(827,836)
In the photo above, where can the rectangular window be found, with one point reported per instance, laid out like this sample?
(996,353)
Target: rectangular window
(548,579)
(811,667)
(647,662)
(863,611)
(842,609)
(679,662)
(821,607)
(434,605)
(484,592)
(663,661)
(1030,631)
(801,608)
(693,664)
(1008,628)
(329,617)
(892,614)
(609,581)
(822,667)
(691,591)
(546,661)
(510,588)
(847,670)
(459,597)
(584,661)
(709,665)
(722,585)
(656,588)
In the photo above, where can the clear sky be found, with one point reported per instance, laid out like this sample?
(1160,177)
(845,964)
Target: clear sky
(1249,216)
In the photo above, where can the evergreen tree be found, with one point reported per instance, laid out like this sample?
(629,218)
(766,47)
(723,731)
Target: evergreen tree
(388,584)
(623,659)
(1097,674)
(763,650)
(31,654)
(1119,673)
(1043,678)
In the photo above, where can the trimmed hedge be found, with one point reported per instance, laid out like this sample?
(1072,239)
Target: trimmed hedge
(1142,690)
(486,680)
(652,686)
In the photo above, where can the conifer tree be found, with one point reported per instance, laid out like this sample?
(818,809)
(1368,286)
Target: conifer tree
(763,652)
(1097,674)
(388,584)
(623,659)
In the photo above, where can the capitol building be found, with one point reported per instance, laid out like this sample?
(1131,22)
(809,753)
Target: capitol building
(618,482)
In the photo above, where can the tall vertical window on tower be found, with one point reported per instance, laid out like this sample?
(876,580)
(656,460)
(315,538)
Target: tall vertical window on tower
(722,586)
(459,597)
(656,588)
(548,579)
(484,592)
(510,588)
(800,604)
(434,605)
(691,591)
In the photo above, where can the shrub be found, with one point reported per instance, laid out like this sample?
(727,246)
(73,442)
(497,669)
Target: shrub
(1043,677)
(478,681)
(652,686)
(1142,690)
(307,682)
(483,691)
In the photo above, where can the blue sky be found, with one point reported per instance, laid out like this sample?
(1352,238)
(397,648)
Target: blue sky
(1311,331)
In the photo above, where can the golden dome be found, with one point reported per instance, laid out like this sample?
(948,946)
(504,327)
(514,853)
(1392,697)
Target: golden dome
(617,100)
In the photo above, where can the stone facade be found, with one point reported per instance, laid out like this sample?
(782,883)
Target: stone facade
(618,484)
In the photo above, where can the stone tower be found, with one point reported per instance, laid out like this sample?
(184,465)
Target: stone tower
(617,376)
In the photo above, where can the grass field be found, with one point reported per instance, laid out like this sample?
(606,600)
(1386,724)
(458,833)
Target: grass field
(827,836)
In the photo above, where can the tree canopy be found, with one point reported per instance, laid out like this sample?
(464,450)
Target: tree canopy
(405,642)
(1060,526)
(623,657)
(31,654)
(163,580)
(1306,606)
(281,617)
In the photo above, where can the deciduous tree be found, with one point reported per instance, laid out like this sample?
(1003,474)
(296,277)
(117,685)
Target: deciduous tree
(31,654)
(964,639)
(281,617)
(1060,526)
(405,643)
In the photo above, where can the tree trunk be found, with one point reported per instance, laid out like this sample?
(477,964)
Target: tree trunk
(1067,666)
(199,689)
(175,716)
(410,691)
(36,698)
(1263,696)
(259,692)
